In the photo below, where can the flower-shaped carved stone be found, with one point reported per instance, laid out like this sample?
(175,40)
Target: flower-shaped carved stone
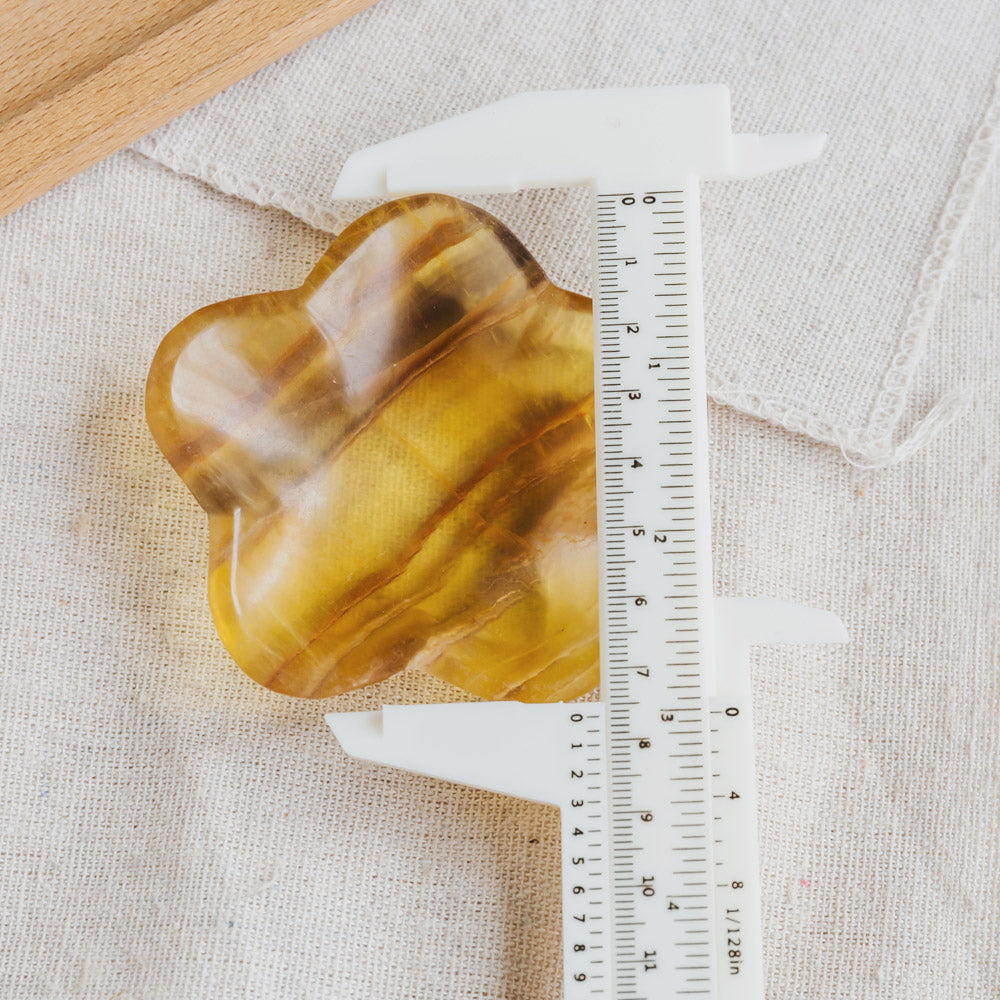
(397,462)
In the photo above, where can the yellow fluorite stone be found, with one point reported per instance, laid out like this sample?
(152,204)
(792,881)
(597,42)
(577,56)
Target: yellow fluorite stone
(397,462)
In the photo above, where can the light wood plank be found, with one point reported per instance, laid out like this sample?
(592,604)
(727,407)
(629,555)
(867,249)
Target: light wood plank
(81,79)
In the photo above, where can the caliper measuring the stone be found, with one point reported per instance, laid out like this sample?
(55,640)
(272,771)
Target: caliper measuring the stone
(655,783)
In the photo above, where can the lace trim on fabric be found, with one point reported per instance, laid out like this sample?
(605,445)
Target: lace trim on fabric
(888,409)
(857,445)
(229,182)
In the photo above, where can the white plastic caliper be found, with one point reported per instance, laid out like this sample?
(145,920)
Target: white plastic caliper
(661,891)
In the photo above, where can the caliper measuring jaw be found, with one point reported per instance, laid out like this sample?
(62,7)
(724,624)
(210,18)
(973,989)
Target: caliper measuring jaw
(655,782)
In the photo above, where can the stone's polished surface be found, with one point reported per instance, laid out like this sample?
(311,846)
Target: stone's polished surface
(397,462)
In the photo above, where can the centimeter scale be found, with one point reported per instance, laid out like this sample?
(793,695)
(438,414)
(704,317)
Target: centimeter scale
(655,783)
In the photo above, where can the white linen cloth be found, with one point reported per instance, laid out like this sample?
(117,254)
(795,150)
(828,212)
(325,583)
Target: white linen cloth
(169,830)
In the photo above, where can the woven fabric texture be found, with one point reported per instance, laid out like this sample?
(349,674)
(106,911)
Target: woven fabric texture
(169,830)
(850,250)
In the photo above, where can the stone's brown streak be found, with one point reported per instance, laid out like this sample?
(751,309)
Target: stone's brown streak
(519,555)
(568,610)
(374,278)
(584,674)
(312,345)
(441,237)
(406,211)
(413,210)
(391,386)
(568,654)
(488,522)
(273,380)
(374,582)
(408,437)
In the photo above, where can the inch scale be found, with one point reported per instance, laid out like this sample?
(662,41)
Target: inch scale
(655,783)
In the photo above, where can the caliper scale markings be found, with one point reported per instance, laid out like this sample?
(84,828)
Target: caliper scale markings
(649,913)
(648,325)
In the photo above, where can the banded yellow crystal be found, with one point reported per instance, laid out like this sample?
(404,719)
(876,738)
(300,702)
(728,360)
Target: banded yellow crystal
(397,462)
